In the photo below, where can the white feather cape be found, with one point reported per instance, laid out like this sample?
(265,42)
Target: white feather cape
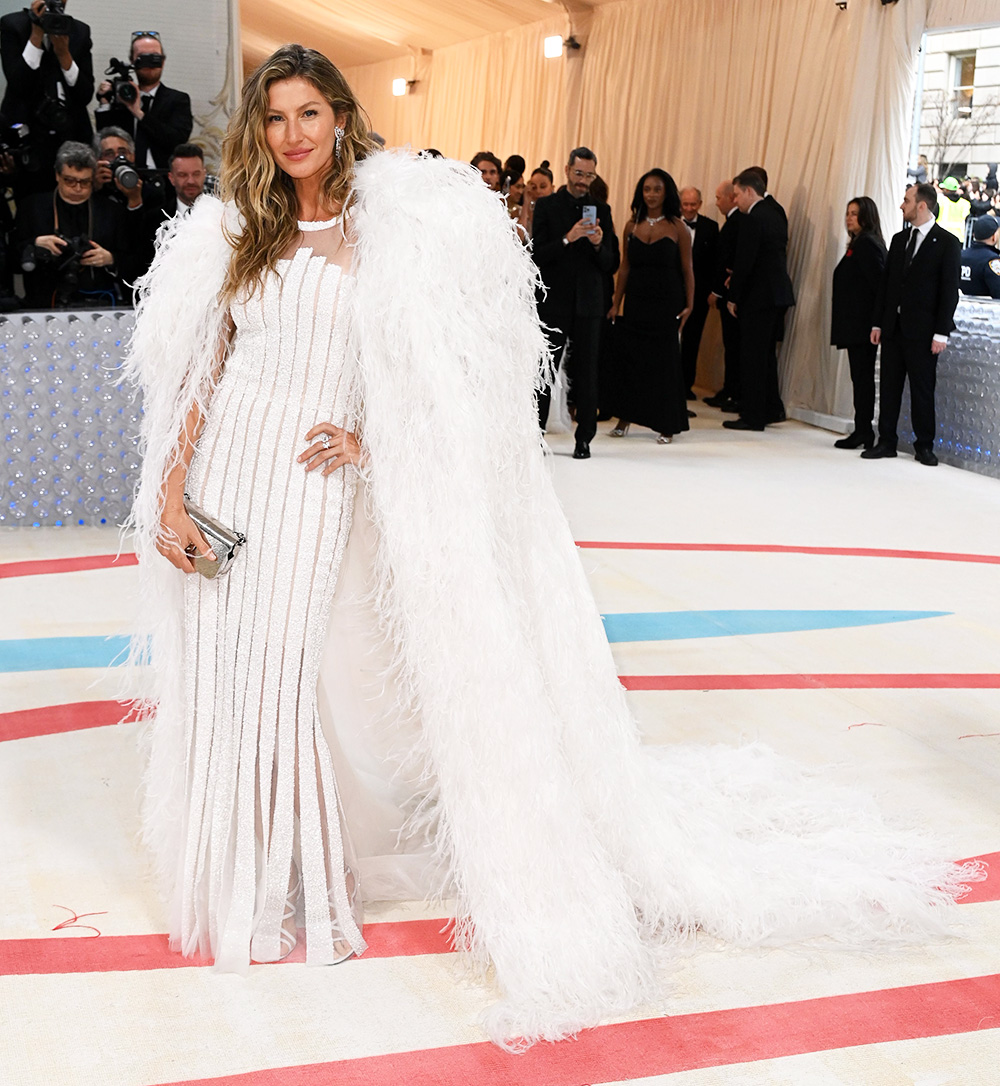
(575,851)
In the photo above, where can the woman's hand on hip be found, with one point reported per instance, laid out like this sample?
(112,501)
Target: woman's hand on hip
(332,448)
(179,541)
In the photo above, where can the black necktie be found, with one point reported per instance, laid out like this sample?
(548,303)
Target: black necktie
(147,102)
(911,247)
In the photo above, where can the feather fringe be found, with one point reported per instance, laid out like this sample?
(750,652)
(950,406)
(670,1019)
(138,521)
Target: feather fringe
(576,854)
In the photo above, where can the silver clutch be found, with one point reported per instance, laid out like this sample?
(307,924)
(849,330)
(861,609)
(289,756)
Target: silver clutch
(225,542)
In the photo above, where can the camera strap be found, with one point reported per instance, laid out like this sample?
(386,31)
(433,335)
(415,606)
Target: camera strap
(90,215)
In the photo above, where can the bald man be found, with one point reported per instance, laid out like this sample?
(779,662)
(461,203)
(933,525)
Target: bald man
(704,239)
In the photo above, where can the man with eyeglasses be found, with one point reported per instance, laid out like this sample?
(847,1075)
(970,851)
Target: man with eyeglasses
(50,82)
(160,117)
(574,247)
(54,227)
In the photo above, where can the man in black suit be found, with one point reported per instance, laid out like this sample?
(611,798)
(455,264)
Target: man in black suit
(159,118)
(760,292)
(704,242)
(50,81)
(915,309)
(728,397)
(574,247)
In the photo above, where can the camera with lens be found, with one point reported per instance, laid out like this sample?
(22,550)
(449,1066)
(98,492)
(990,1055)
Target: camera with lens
(149,60)
(67,264)
(53,19)
(123,171)
(122,87)
(15,143)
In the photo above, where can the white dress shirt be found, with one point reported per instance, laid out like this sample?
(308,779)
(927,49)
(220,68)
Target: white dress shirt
(32,55)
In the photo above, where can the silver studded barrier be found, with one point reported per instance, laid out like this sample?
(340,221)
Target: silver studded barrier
(70,427)
(967,400)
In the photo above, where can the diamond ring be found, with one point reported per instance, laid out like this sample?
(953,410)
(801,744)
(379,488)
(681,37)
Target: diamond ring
(325,441)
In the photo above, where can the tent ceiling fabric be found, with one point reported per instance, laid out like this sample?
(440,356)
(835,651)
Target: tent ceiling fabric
(353,32)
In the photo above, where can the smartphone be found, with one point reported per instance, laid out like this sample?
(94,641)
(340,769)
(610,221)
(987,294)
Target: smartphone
(589,216)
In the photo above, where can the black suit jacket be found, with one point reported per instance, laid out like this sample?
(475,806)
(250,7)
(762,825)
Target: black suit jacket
(167,123)
(725,255)
(704,245)
(760,270)
(574,275)
(856,282)
(28,88)
(920,302)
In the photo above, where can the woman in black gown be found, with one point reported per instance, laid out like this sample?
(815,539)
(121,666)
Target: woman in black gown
(855,286)
(656,280)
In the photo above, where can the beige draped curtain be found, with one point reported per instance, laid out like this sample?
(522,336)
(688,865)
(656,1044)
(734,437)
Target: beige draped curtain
(702,88)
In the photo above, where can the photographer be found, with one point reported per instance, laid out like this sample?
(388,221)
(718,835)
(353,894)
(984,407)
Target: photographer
(119,182)
(156,116)
(46,58)
(72,246)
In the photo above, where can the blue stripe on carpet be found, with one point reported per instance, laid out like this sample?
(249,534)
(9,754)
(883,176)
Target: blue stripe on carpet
(680,625)
(52,653)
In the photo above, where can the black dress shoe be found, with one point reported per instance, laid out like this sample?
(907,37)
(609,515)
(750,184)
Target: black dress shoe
(730,407)
(779,417)
(740,424)
(717,400)
(582,451)
(692,415)
(879,451)
(855,441)
(925,457)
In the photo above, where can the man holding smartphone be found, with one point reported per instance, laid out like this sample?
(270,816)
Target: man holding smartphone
(574,248)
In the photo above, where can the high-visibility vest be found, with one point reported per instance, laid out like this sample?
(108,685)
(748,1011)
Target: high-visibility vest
(952,215)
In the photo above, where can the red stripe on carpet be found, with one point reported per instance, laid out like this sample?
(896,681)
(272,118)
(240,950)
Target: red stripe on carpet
(663,1046)
(105,561)
(130,953)
(767,548)
(66,565)
(398,939)
(971,681)
(54,719)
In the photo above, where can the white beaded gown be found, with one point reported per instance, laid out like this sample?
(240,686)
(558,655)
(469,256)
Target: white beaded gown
(263,800)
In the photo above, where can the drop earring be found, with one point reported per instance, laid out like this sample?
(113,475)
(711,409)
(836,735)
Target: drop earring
(338,133)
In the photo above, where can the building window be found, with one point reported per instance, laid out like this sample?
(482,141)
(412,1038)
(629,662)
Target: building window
(963,68)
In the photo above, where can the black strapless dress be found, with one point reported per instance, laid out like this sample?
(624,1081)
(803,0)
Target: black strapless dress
(651,389)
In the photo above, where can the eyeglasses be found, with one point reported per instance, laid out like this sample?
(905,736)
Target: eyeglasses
(136,34)
(76,182)
(581,176)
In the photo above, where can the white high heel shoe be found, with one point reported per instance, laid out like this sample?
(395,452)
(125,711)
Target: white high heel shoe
(289,934)
(341,947)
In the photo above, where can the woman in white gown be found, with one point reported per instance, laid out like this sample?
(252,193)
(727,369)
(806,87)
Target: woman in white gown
(378,699)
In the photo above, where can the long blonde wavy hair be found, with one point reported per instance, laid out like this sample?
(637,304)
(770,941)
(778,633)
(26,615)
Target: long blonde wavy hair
(262,192)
